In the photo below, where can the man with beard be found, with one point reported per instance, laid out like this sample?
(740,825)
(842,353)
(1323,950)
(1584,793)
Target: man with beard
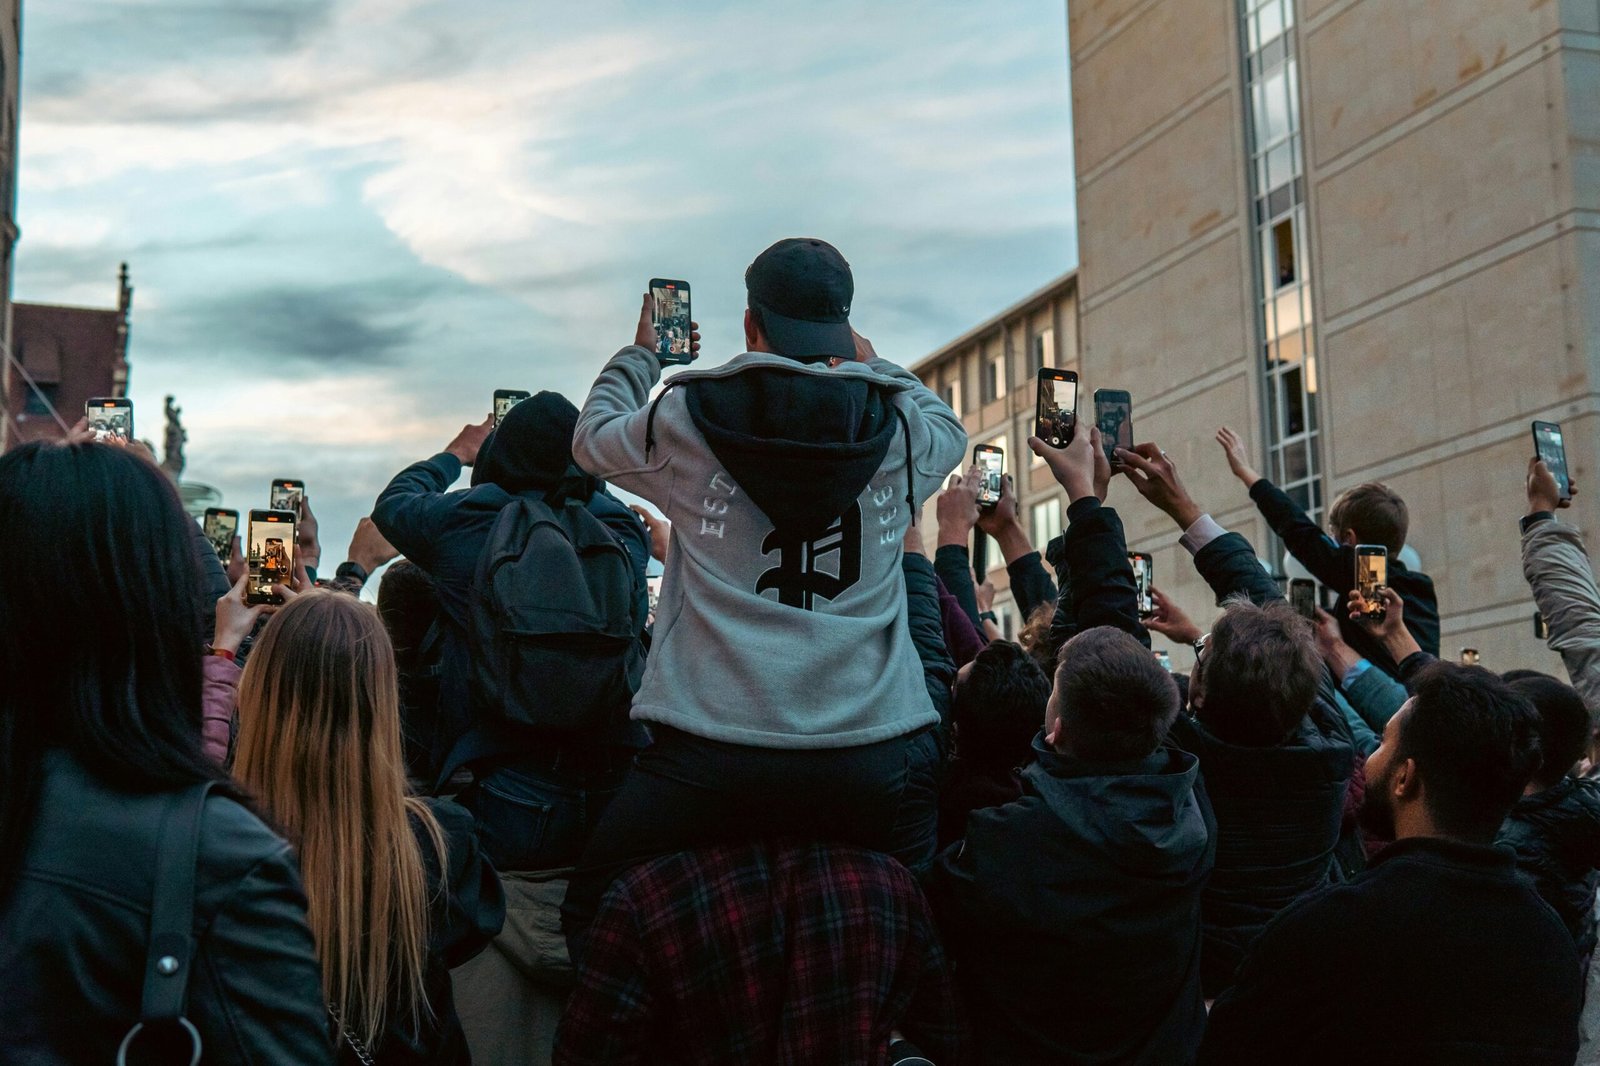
(1438,952)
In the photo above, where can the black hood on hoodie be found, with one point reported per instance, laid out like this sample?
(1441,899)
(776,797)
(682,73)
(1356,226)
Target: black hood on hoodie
(803,446)
(531,450)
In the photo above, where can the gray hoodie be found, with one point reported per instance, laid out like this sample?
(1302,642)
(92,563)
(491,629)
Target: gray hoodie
(790,486)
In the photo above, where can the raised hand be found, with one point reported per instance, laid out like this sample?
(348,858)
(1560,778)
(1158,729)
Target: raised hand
(1544,492)
(235,618)
(1156,477)
(1233,449)
(1170,621)
(370,549)
(469,441)
(1074,466)
(659,528)
(957,508)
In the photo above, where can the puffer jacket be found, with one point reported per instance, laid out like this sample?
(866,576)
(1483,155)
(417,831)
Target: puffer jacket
(1556,837)
(73,932)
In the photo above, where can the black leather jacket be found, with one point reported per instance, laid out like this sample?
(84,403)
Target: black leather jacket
(74,926)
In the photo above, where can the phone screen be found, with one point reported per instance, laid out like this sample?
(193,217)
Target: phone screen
(1548,445)
(1057,412)
(1164,659)
(110,417)
(1372,575)
(271,554)
(1113,413)
(1303,597)
(1470,657)
(1143,577)
(505,400)
(286,495)
(219,527)
(991,462)
(671,302)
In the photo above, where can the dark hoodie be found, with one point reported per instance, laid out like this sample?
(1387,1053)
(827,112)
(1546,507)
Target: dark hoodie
(782,617)
(444,532)
(1556,835)
(1073,914)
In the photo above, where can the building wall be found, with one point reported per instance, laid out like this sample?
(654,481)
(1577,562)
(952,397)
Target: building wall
(1452,166)
(1011,338)
(1166,307)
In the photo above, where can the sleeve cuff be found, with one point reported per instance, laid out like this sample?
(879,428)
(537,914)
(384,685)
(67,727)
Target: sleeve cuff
(1203,532)
(352,571)
(1359,667)
(1079,508)
(1529,521)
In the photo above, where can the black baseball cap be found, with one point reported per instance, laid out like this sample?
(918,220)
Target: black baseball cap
(802,288)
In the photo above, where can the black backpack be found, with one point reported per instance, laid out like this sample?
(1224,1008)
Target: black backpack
(554,638)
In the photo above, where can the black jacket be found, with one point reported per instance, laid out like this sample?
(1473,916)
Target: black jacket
(1556,837)
(444,533)
(1097,585)
(1335,566)
(1073,914)
(465,912)
(927,634)
(1031,585)
(73,932)
(1439,953)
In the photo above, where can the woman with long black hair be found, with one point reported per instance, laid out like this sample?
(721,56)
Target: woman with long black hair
(100,748)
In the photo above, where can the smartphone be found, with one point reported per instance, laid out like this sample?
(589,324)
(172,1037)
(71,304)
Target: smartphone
(505,400)
(1372,577)
(1303,598)
(670,299)
(992,462)
(1143,577)
(1548,447)
(110,416)
(1164,659)
(1113,413)
(220,526)
(1056,411)
(287,495)
(1470,657)
(270,555)
(1541,628)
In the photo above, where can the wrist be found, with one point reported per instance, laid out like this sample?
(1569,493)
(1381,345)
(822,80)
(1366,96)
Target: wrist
(226,644)
(955,536)
(1185,512)
(1078,489)
(1013,541)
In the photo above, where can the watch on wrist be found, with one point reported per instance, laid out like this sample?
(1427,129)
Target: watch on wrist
(989,616)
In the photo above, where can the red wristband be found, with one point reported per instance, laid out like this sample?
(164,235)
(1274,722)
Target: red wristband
(224,653)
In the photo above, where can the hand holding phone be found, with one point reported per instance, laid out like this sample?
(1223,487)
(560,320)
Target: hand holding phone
(110,418)
(1550,449)
(1303,598)
(1055,416)
(505,400)
(1143,577)
(286,495)
(220,526)
(1372,579)
(1113,414)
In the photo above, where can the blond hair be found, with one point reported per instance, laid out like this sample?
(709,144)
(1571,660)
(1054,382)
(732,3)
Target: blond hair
(319,746)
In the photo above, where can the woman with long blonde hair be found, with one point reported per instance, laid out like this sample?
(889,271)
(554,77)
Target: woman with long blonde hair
(398,890)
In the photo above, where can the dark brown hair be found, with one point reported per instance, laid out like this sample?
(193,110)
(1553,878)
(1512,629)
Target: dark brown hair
(1115,700)
(1375,513)
(1259,674)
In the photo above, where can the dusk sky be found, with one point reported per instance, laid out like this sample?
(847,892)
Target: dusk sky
(349,221)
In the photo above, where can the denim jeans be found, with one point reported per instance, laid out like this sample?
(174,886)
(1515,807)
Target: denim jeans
(685,792)
(536,817)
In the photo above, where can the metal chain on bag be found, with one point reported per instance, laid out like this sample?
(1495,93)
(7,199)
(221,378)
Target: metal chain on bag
(362,1054)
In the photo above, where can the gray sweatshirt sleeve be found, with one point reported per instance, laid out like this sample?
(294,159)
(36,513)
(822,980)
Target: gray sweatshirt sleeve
(609,441)
(1557,568)
(938,439)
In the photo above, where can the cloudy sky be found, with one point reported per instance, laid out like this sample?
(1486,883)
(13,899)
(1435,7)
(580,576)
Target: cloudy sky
(349,221)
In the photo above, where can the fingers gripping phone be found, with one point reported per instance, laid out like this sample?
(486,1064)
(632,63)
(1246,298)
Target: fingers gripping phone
(1113,413)
(270,556)
(991,462)
(220,526)
(1303,598)
(1552,451)
(110,416)
(505,400)
(1144,578)
(1372,577)
(286,495)
(670,300)
(1056,409)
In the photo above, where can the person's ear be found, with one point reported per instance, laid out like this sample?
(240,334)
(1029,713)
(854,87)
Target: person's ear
(1405,782)
(1348,538)
(753,340)
(1052,733)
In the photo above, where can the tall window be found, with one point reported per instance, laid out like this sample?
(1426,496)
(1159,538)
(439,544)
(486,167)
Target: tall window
(1283,289)
(1044,521)
(950,393)
(1043,352)
(992,378)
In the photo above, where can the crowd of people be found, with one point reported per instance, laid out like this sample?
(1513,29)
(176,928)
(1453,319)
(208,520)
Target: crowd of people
(810,809)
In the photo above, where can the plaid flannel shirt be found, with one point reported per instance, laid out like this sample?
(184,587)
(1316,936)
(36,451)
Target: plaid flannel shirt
(771,954)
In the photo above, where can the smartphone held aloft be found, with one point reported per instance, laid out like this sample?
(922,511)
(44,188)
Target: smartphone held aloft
(1056,407)
(1372,577)
(110,417)
(669,301)
(270,555)
(990,462)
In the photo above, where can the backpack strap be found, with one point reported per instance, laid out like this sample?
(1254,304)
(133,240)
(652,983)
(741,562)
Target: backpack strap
(170,954)
(650,419)
(911,471)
